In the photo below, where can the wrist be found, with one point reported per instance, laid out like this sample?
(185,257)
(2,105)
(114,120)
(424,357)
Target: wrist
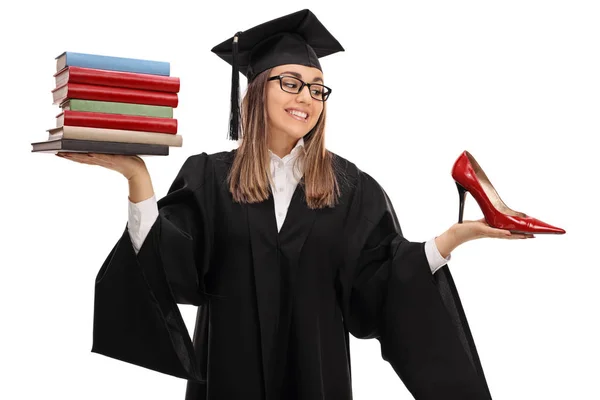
(140,187)
(137,175)
(447,242)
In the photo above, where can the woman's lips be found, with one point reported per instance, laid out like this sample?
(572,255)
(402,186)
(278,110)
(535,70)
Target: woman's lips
(297,118)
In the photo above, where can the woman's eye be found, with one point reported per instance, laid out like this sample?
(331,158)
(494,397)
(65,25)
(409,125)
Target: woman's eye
(291,85)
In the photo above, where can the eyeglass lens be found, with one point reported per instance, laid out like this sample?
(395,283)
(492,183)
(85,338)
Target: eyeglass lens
(292,85)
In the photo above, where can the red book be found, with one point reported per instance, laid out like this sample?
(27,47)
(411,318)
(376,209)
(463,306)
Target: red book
(106,93)
(116,121)
(102,77)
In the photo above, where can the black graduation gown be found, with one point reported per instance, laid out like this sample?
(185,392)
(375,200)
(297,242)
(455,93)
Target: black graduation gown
(275,309)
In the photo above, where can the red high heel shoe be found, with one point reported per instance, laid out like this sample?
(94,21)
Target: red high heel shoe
(469,177)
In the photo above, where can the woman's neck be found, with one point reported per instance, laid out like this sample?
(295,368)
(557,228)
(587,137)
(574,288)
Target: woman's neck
(282,146)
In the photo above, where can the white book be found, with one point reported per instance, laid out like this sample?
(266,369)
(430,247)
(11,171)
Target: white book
(114,135)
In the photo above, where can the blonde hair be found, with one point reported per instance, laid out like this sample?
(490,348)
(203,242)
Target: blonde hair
(249,176)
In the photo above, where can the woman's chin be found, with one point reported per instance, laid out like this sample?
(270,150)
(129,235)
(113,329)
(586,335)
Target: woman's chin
(296,133)
(299,135)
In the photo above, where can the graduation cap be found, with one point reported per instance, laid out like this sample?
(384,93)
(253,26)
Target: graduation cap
(297,38)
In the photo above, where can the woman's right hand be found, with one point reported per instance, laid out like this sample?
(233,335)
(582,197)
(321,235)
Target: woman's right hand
(128,165)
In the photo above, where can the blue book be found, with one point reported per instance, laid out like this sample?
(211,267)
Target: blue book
(69,58)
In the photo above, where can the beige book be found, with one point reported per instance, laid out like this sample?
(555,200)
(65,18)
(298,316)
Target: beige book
(114,135)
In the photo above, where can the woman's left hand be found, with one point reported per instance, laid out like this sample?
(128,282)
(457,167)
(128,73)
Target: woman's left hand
(470,230)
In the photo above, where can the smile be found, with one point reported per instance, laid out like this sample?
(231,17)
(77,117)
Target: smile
(298,117)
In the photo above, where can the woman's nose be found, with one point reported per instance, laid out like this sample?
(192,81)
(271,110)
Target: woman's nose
(305,94)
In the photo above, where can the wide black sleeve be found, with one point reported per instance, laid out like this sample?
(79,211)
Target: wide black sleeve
(136,317)
(389,293)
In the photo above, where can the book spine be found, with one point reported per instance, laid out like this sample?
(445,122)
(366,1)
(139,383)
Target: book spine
(123,95)
(131,80)
(116,121)
(110,107)
(118,63)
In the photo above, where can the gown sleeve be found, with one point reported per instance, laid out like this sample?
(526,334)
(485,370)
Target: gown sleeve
(389,293)
(136,317)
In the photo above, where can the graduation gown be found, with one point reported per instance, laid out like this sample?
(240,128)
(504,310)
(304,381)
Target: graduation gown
(275,309)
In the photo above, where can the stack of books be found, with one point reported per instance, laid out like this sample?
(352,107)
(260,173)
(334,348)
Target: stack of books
(113,105)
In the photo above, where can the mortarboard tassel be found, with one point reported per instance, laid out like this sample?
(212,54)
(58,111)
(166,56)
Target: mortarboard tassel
(234,116)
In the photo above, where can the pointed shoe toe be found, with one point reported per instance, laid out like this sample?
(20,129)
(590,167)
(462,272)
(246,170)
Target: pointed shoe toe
(534,225)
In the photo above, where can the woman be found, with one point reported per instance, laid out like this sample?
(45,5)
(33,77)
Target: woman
(278,289)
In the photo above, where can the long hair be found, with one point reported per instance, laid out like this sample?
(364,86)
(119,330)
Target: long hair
(250,173)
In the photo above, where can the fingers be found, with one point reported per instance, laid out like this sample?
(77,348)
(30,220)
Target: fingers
(84,158)
(521,236)
(78,157)
(496,233)
(506,234)
(488,231)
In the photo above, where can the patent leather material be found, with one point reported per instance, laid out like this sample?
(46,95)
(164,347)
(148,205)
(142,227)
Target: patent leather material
(470,177)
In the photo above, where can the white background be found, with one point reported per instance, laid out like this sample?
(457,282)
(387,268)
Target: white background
(516,83)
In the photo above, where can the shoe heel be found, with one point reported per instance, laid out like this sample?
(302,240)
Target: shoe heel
(462,194)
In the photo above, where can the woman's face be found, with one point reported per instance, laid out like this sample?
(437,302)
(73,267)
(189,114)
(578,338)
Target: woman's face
(279,103)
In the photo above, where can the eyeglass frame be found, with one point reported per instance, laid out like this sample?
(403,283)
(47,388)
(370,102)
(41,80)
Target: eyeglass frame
(279,77)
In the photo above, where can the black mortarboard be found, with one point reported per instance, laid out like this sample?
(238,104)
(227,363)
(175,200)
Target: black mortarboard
(297,38)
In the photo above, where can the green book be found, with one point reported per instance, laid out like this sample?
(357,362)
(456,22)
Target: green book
(110,107)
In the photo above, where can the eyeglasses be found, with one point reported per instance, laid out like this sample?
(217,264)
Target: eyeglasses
(294,85)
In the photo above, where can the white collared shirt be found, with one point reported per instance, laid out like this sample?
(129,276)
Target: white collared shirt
(285,173)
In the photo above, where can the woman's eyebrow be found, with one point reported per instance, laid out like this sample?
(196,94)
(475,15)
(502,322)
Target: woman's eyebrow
(299,76)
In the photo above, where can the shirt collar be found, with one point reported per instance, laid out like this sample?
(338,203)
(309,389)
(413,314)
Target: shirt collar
(292,158)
